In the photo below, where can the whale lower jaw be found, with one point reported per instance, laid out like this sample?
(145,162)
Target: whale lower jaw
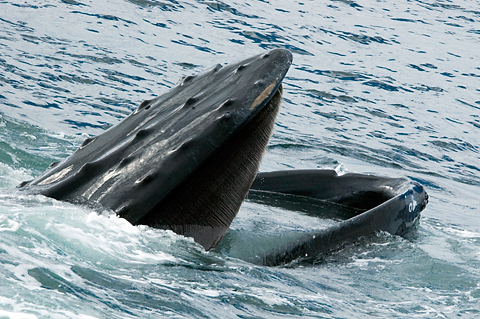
(367,205)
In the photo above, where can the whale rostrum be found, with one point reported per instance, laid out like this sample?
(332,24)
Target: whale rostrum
(185,160)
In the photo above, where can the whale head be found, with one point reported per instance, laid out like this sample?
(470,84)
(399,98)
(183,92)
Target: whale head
(185,160)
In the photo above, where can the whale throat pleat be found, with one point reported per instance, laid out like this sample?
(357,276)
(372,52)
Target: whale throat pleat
(205,204)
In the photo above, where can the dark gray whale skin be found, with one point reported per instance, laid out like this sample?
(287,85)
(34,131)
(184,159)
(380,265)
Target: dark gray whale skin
(375,204)
(186,160)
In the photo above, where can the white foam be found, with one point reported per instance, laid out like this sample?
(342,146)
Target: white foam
(16,315)
(7,224)
(340,169)
(10,178)
(463,233)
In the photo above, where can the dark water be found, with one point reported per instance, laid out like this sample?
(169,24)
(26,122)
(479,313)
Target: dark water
(376,87)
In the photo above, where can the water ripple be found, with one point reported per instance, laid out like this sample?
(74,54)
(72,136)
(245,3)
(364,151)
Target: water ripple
(389,88)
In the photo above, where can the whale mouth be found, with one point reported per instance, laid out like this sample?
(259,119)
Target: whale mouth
(186,160)
(182,161)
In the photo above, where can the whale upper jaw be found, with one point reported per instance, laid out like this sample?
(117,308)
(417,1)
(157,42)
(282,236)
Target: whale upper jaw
(185,160)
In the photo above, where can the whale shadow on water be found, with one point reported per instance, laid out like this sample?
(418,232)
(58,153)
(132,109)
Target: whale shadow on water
(186,160)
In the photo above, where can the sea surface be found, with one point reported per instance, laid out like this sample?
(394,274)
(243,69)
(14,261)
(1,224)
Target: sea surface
(383,87)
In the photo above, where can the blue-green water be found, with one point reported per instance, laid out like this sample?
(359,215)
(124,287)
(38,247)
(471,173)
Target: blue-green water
(385,87)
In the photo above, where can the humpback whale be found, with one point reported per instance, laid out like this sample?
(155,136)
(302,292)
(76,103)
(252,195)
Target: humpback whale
(186,160)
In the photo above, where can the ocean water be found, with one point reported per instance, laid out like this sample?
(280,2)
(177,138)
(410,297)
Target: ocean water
(383,87)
